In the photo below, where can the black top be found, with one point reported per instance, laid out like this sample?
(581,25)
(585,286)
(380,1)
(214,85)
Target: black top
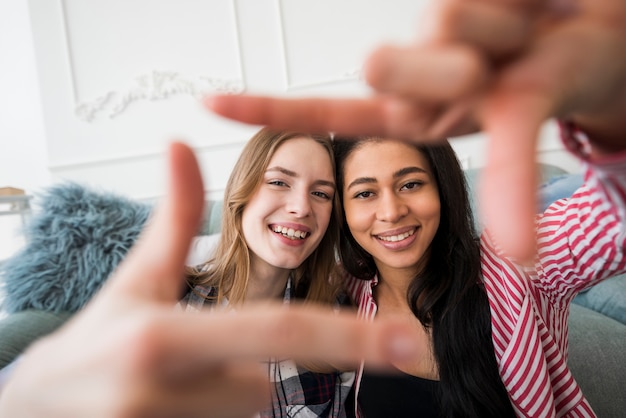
(398,395)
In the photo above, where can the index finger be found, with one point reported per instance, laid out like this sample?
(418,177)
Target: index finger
(352,117)
(297,332)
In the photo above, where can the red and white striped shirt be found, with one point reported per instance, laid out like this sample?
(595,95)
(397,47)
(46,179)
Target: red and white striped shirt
(581,241)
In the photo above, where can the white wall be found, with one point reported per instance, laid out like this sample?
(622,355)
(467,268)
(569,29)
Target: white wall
(106,119)
(120,79)
(92,90)
(23,155)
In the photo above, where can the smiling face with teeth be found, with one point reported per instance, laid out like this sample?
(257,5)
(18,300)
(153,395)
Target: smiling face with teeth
(391,202)
(287,216)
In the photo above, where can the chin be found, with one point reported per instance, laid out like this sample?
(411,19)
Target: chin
(401,264)
(288,265)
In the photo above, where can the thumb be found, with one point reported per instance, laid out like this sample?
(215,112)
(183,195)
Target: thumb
(548,80)
(154,266)
(508,187)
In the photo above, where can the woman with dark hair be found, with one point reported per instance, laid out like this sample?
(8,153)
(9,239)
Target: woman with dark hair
(492,333)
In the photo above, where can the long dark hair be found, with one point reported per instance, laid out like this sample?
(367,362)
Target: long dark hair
(447,296)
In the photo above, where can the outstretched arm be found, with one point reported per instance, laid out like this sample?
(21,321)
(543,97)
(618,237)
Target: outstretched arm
(502,67)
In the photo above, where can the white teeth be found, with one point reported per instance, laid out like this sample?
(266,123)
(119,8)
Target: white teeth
(290,232)
(395,238)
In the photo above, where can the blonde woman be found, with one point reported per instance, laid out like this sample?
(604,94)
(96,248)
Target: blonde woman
(279,229)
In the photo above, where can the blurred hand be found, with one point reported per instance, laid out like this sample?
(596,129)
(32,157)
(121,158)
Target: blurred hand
(130,353)
(503,67)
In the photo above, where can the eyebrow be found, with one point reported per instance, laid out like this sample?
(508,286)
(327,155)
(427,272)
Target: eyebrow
(400,173)
(291,173)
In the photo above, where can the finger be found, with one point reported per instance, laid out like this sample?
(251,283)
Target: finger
(153,268)
(551,79)
(262,331)
(495,28)
(596,79)
(384,116)
(348,116)
(431,74)
(511,118)
(229,391)
(509,180)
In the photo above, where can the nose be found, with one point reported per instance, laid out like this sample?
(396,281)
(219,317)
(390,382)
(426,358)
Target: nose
(299,204)
(391,208)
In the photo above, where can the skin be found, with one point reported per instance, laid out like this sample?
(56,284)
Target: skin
(392,209)
(129,354)
(557,58)
(399,198)
(296,194)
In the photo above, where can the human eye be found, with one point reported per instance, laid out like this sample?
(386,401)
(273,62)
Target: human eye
(410,185)
(322,195)
(278,183)
(363,195)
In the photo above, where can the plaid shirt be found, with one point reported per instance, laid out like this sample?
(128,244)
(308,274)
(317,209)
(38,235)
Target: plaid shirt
(296,392)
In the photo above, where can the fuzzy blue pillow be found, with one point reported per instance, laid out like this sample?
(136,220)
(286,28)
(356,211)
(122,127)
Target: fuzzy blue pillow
(73,243)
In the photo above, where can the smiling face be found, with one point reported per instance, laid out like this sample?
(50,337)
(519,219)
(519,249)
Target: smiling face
(391,202)
(289,213)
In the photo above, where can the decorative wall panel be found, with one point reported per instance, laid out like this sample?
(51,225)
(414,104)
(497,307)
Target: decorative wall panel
(122,52)
(121,78)
(326,41)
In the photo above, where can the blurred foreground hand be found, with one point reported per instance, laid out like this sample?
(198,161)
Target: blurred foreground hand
(503,67)
(130,353)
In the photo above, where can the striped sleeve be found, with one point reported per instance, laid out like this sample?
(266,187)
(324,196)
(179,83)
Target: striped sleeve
(581,240)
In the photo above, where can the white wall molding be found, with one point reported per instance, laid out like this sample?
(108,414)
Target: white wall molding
(348,76)
(155,85)
(120,78)
(345,76)
(147,155)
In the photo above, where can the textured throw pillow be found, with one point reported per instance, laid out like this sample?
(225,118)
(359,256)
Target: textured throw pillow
(73,242)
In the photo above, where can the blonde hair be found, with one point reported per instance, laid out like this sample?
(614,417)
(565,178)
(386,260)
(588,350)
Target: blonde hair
(229,269)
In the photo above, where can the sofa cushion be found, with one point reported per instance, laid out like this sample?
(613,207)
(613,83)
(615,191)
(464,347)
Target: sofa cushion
(597,359)
(21,328)
(549,191)
(73,242)
(607,297)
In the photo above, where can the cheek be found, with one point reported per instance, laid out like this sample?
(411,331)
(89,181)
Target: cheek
(435,210)
(251,220)
(323,214)
(431,213)
(245,223)
(354,216)
(429,205)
